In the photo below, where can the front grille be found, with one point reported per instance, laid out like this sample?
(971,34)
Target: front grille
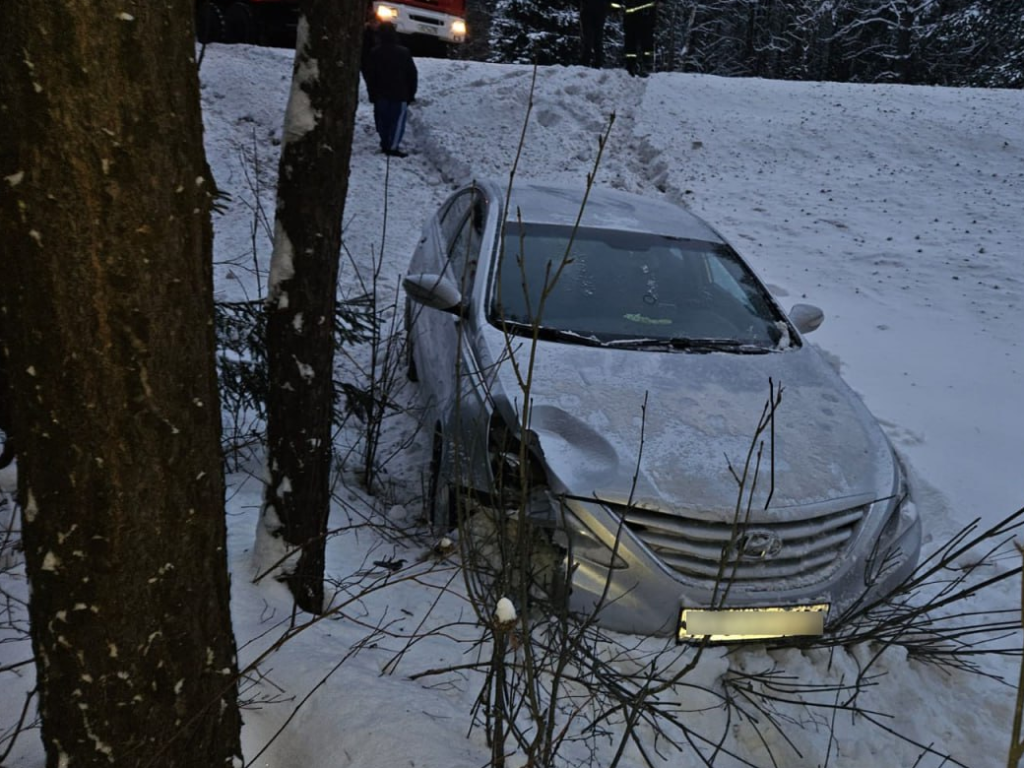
(426,19)
(804,550)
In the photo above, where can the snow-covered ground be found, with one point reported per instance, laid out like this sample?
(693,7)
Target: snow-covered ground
(898,210)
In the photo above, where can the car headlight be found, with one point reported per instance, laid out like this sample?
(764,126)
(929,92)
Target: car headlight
(583,543)
(887,552)
(386,13)
(459,28)
(515,468)
(904,511)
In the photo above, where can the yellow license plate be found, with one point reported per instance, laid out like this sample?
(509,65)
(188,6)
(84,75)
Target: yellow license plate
(735,624)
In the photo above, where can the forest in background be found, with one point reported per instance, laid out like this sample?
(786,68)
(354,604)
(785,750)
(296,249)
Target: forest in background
(925,42)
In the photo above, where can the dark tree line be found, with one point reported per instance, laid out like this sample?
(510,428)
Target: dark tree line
(938,42)
(523,31)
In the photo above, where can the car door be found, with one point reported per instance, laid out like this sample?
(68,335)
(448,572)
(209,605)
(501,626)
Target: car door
(450,245)
(466,419)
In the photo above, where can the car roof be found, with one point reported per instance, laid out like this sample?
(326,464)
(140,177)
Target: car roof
(605,209)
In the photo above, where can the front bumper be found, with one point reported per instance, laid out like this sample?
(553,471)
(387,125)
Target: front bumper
(409,20)
(630,589)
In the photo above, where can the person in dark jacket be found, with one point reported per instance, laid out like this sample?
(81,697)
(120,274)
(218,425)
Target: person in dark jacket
(391,80)
(369,43)
(593,14)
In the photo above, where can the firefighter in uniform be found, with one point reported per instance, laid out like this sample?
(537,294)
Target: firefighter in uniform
(638,29)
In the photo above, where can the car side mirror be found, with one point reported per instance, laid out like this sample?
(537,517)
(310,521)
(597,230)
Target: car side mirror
(806,317)
(434,291)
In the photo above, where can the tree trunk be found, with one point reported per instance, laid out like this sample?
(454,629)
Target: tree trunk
(312,184)
(107,295)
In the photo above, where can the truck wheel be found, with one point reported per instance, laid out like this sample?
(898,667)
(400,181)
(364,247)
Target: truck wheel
(241,25)
(209,22)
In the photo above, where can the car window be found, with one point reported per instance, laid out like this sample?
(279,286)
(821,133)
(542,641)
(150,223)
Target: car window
(463,247)
(464,254)
(729,274)
(613,285)
(455,214)
(720,277)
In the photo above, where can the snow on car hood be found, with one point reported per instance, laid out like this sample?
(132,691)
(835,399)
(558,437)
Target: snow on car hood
(702,409)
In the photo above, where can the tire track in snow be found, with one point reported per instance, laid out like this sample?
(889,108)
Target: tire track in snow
(469,124)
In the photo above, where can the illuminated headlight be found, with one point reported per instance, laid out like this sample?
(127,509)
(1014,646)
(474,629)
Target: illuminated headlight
(459,28)
(386,13)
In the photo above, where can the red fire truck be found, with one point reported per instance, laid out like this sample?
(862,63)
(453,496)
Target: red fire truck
(440,20)
(273,22)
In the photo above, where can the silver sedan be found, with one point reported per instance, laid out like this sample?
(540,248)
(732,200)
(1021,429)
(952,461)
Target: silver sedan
(601,364)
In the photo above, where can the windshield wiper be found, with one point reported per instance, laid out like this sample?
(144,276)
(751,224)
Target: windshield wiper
(545,333)
(690,345)
(636,343)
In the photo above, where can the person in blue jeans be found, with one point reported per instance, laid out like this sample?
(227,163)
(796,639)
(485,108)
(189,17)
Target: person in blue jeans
(391,81)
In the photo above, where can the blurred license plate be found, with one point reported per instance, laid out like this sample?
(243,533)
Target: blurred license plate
(752,623)
(427,29)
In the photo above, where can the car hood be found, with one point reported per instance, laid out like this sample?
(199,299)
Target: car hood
(682,424)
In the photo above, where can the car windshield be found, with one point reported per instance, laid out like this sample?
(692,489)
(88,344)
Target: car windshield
(631,289)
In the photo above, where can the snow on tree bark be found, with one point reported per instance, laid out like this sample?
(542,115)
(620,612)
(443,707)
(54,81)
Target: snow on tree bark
(108,299)
(312,184)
